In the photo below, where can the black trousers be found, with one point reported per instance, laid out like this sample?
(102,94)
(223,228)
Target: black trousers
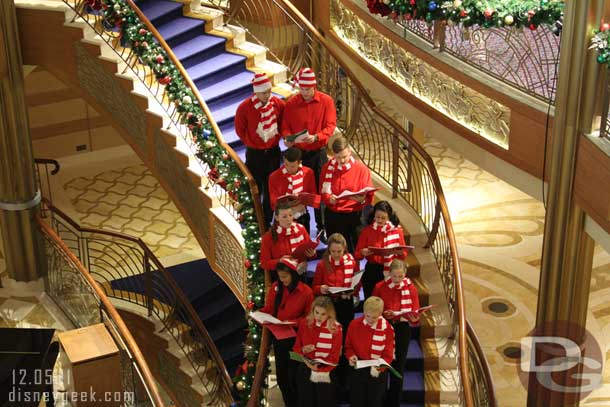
(285,370)
(344,309)
(315,160)
(373,273)
(314,394)
(345,223)
(365,390)
(402,332)
(261,164)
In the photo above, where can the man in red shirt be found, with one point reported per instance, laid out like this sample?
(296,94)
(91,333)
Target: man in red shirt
(315,112)
(257,123)
(292,178)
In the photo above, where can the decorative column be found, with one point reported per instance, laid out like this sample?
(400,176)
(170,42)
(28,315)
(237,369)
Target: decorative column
(568,251)
(19,196)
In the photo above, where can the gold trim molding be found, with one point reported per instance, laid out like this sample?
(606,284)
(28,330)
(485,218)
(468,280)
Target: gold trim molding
(460,103)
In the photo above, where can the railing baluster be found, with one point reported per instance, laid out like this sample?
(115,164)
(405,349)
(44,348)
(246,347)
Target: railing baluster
(395,163)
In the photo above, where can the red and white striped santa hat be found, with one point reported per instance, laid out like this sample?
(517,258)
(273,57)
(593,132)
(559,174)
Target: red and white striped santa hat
(306,78)
(291,262)
(261,83)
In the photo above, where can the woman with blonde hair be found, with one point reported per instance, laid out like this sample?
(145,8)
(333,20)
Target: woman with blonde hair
(318,337)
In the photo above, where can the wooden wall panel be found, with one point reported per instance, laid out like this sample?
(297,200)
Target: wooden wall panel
(592,181)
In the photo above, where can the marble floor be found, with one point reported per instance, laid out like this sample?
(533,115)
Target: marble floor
(499,232)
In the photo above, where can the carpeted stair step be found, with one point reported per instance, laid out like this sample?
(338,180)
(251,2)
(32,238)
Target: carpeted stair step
(230,135)
(224,109)
(216,68)
(413,389)
(232,351)
(180,30)
(160,12)
(199,49)
(236,84)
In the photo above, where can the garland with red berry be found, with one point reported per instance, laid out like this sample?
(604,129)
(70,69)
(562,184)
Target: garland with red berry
(600,41)
(483,13)
(224,171)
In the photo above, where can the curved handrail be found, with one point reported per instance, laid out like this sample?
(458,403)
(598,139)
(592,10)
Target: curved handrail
(51,161)
(114,315)
(459,316)
(478,356)
(168,279)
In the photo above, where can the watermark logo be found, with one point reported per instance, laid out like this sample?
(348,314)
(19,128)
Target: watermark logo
(564,360)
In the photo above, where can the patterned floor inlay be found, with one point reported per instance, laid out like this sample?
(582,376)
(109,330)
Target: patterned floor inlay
(130,200)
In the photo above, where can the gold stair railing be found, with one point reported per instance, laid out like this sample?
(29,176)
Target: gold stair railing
(386,147)
(480,378)
(110,256)
(84,302)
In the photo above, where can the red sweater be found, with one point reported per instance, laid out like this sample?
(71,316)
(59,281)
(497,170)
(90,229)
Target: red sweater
(272,252)
(295,305)
(391,297)
(331,278)
(370,237)
(359,339)
(308,335)
(278,184)
(354,179)
(246,122)
(318,116)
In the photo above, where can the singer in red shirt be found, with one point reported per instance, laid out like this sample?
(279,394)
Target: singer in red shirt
(315,112)
(257,123)
(319,337)
(288,300)
(369,337)
(344,173)
(293,178)
(399,296)
(383,230)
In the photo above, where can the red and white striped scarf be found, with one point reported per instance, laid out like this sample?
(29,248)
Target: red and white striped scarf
(378,341)
(324,342)
(391,238)
(295,182)
(345,264)
(294,233)
(267,124)
(330,170)
(406,303)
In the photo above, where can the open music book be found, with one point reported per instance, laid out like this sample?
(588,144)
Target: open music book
(355,280)
(360,364)
(300,358)
(347,194)
(421,310)
(264,318)
(386,251)
(302,198)
(297,137)
(299,251)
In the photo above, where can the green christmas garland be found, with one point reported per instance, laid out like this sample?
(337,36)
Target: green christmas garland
(224,171)
(485,13)
(600,41)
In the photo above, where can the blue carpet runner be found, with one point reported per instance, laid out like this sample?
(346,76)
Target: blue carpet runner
(224,82)
(217,307)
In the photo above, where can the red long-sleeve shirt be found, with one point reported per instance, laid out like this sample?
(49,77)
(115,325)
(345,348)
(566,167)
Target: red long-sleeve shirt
(278,184)
(272,251)
(308,335)
(391,297)
(370,237)
(294,306)
(247,119)
(317,116)
(331,278)
(359,339)
(354,180)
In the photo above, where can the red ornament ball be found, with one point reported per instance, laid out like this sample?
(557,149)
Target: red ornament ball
(142,31)
(533,27)
(250,305)
(605,27)
(488,13)
(237,183)
(159,59)
(166,80)
(247,263)
(463,13)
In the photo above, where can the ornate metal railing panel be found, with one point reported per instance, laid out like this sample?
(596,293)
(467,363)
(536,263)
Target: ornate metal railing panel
(66,282)
(388,150)
(480,374)
(144,281)
(524,59)
(604,126)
